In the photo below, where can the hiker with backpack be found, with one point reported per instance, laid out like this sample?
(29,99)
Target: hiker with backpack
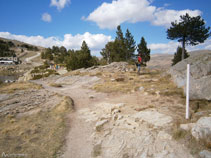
(139,63)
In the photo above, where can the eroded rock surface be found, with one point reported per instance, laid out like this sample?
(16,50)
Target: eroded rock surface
(202,129)
(144,134)
(200,75)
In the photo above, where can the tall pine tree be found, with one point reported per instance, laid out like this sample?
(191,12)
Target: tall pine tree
(120,44)
(143,51)
(189,31)
(130,45)
(85,56)
(121,49)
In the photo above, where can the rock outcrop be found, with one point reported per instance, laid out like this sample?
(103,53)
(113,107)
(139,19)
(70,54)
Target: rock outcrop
(200,75)
(205,154)
(113,67)
(202,129)
(120,135)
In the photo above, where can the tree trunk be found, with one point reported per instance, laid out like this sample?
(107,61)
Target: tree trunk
(183,48)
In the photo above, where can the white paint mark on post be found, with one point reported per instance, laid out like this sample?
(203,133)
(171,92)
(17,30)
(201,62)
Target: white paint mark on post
(187,91)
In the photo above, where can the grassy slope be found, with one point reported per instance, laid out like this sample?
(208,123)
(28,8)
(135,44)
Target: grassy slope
(39,135)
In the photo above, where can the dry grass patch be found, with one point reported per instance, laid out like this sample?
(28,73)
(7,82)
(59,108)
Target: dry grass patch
(11,87)
(39,135)
(97,149)
(186,138)
(116,82)
(150,80)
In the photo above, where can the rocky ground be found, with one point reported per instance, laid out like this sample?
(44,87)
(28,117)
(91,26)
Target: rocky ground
(120,114)
(123,124)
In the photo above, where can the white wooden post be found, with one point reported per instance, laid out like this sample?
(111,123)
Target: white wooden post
(187,91)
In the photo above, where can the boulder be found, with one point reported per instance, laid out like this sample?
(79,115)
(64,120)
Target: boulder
(205,154)
(200,75)
(202,129)
(153,117)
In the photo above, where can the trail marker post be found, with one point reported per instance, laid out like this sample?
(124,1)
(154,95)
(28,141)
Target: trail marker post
(187,91)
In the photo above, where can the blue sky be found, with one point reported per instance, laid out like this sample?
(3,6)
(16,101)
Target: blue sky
(69,22)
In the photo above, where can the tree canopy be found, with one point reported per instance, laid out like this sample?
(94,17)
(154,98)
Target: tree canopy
(121,49)
(5,50)
(189,31)
(130,45)
(143,51)
(70,58)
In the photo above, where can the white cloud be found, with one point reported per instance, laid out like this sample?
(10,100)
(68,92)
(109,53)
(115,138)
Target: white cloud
(46,17)
(165,17)
(109,15)
(60,4)
(95,41)
(167,48)
(171,47)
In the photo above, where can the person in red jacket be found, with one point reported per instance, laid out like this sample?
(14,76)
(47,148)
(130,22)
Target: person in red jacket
(139,63)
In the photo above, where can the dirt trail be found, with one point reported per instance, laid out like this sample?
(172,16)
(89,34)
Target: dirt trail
(78,144)
(119,126)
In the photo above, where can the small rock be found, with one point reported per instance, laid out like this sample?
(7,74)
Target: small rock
(157,92)
(133,91)
(115,117)
(112,79)
(145,93)
(164,135)
(116,111)
(91,97)
(205,154)
(100,124)
(141,88)
(131,70)
(187,127)
(120,79)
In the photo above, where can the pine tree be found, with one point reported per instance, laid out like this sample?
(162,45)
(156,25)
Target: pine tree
(121,49)
(85,56)
(130,45)
(119,34)
(177,56)
(80,59)
(143,51)
(190,31)
(120,44)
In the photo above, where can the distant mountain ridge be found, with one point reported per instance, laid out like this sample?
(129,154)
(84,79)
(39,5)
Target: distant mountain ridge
(16,42)
(163,61)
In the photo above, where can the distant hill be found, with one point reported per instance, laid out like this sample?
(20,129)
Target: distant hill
(10,47)
(163,61)
(19,43)
(160,61)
